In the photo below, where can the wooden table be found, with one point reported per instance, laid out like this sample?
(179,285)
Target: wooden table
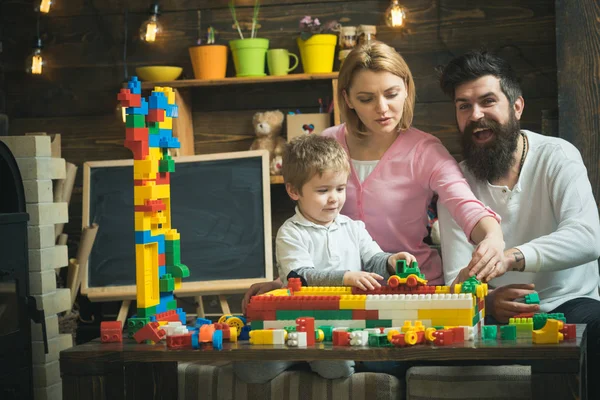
(138,371)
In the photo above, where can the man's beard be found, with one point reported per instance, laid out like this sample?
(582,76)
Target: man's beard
(493,160)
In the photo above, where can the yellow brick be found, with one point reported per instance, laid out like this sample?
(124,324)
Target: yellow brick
(156,153)
(324,291)
(278,292)
(442,289)
(147,282)
(145,169)
(172,234)
(353,302)
(143,221)
(166,124)
(150,191)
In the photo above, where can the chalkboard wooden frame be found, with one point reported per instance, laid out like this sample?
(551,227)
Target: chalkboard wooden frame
(188,288)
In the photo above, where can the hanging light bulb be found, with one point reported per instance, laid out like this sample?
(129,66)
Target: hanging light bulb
(45,6)
(35,62)
(151,27)
(395,15)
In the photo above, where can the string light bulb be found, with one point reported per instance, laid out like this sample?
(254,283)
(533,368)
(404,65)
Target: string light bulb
(45,6)
(395,15)
(35,62)
(151,27)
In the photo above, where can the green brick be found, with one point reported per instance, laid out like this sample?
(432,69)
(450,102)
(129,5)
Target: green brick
(539,320)
(290,328)
(489,332)
(172,305)
(166,165)
(178,270)
(135,324)
(257,324)
(173,260)
(508,332)
(153,128)
(532,298)
(328,331)
(291,314)
(135,121)
(167,283)
(379,323)
(146,312)
(379,340)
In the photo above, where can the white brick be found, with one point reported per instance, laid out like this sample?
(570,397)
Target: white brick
(42,282)
(42,168)
(38,191)
(55,346)
(41,236)
(48,213)
(48,258)
(46,374)
(54,303)
(53,392)
(28,146)
(51,328)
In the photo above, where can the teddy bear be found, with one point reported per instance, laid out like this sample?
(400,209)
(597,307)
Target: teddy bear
(268,127)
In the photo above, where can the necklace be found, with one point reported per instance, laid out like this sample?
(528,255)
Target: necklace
(523,153)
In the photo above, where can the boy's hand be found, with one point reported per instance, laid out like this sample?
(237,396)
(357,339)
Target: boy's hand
(362,280)
(399,256)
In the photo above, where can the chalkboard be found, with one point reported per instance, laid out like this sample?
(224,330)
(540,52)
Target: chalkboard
(220,204)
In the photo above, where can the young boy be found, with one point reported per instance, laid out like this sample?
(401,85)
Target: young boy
(317,243)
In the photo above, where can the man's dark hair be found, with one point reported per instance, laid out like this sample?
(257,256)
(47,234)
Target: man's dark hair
(476,64)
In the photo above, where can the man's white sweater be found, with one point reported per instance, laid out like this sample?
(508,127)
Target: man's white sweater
(550,215)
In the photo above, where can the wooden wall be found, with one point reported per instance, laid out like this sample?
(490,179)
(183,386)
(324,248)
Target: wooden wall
(84,46)
(578,58)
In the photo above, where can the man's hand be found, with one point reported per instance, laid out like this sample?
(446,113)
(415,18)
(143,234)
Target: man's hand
(362,280)
(260,288)
(399,256)
(501,304)
(488,260)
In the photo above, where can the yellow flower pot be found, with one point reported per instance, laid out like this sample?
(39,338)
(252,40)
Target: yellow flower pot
(317,53)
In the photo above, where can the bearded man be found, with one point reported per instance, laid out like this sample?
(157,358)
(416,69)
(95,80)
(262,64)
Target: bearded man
(540,188)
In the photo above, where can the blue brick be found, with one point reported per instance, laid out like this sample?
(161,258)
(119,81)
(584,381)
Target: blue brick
(142,110)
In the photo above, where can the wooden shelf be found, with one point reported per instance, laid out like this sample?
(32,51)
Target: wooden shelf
(183,126)
(276,179)
(183,83)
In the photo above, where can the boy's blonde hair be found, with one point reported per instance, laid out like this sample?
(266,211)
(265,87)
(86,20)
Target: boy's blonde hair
(311,154)
(378,57)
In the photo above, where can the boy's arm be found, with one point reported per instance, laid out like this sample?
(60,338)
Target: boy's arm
(292,253)
(373,258)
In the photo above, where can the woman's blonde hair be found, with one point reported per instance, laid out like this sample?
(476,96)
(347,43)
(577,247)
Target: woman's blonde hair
(311,154)
(377,57)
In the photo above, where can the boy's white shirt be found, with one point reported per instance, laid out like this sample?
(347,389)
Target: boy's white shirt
(550,216)
(324,253)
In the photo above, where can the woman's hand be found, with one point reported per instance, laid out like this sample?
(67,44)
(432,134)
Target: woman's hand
(260,288)
(362,280)
(500,303)
(393,259)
